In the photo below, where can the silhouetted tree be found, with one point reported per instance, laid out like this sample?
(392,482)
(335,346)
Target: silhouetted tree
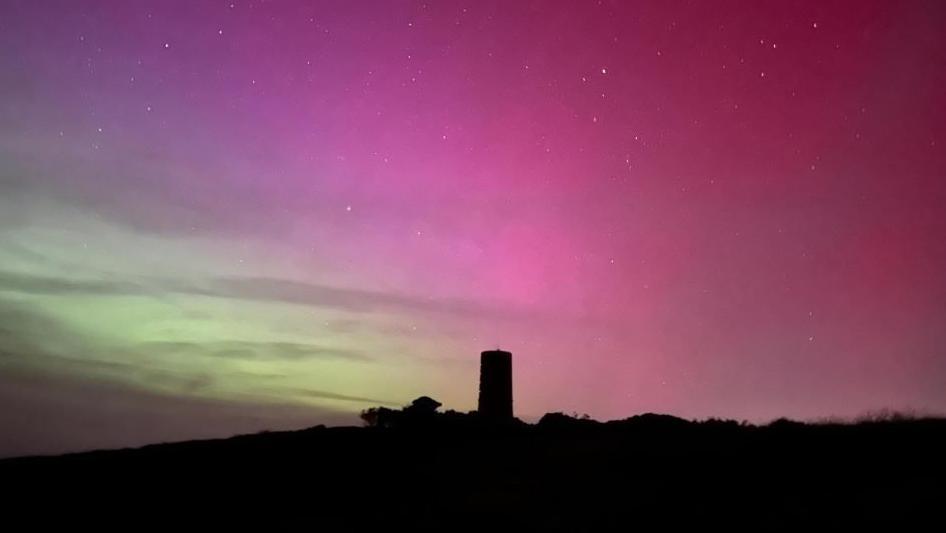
(423,410)
(424,406)
(380,417)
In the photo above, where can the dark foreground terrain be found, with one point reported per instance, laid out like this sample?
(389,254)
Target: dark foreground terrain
(457,473)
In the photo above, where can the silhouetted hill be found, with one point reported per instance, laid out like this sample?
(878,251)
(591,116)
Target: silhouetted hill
(455,471)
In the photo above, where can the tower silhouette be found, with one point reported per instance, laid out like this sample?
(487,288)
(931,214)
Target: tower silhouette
(495,384)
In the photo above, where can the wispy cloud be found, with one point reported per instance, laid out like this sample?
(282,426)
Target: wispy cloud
(254,289)
(181,202)
(30,339)
(236,349)
(33,341)
(304,293)
(325,395)
(29,284)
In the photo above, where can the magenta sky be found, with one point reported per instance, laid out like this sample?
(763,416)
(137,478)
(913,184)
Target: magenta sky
(299,209)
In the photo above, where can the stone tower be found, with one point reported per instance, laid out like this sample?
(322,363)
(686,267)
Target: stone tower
(495,384)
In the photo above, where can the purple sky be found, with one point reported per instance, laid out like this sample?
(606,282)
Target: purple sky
(276,214)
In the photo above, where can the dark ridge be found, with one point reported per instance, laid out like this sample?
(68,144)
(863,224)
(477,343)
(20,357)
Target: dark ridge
(419,469)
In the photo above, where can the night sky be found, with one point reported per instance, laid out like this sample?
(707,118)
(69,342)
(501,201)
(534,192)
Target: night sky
(222,217)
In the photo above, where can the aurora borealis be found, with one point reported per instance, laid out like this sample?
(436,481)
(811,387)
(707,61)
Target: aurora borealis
(220,217)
